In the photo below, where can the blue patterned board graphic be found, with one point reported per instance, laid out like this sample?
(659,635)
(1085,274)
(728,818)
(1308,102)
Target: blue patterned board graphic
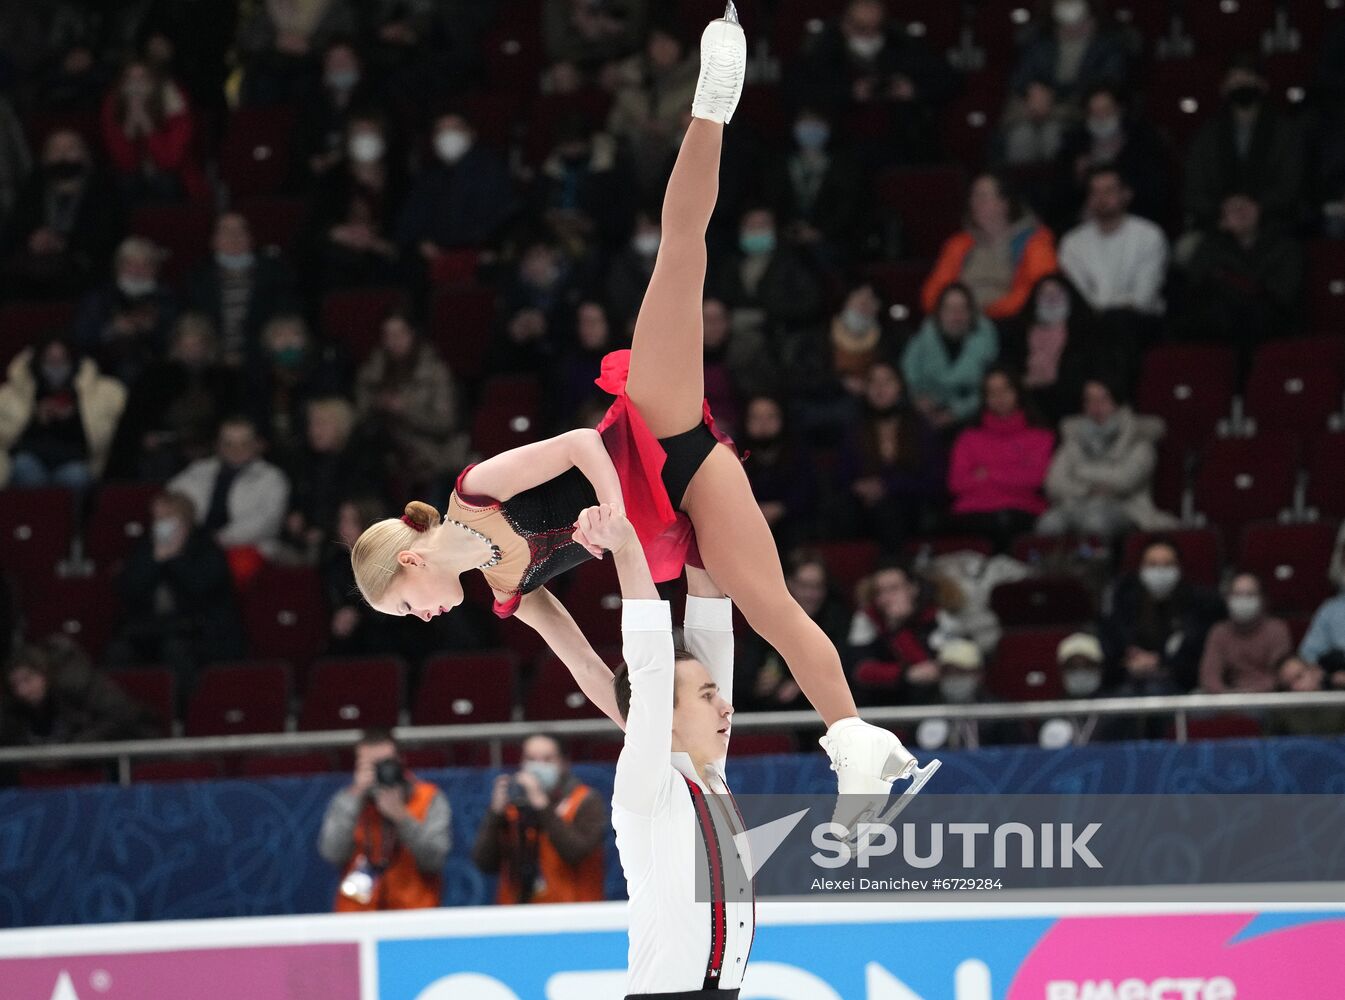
(247,848)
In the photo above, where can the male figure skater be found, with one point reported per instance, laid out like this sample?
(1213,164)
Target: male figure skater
(670,795)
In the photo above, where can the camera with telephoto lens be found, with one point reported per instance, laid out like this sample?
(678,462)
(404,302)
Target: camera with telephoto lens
(518,795)
(389,773)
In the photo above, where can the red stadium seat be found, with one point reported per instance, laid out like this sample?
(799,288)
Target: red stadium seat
(898,284)
(929,202)
(354,316)
(494,116)
(282,765)
(84,609)
(1246,479)
(761,109)
(752,743)
(1219,727)
(965,127)
(1294,396)
(353,693)
(175,770)
(592,595)
(1326,349)
(1201,552)
(255,153)
(797,22)
(1183,94)
(1171,475)
(935,22)
(849,562)
(23,323)
(514,55)
(1190,386)
(462,688)
(120,519)
(462,321)
(553,694)
(1292,561)
(1228,26)
(181,229)
(1326,474)
(240,698)
(507,414)
(36,527)
(61,777)
(152,687)
(1326,284)
(1040,601)
(275,221)
(285,614)
(1025,667)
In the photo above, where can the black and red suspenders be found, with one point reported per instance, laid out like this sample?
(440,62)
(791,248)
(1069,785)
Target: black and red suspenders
(718,903)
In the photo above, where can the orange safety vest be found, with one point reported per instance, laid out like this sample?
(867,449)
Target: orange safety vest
(558,882)
(402,886)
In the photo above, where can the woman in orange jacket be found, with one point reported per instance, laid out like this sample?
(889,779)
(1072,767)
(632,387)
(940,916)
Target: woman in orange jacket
(1001,254)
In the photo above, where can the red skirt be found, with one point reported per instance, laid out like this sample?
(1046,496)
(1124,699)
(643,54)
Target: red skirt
(666,534)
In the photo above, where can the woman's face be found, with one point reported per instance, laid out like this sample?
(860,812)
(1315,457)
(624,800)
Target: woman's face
(398,338)
(894,596)
(1098,404)
(423,587)
(1001,398)
(1052,296)
(954,317)
(137,81)
(592,327)
(808,586)
(28,686)
(764,420)
(348,526)
(988,208)
(883,389)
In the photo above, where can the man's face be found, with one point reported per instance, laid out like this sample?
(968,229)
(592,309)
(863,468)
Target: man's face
(808,586)
(1098,404)
(65,146)
(541,750)
(1240,216)
(232,235)
(764,421)
(715,321)
(702,716)
(863,19)
(1159,555)
(370,754)
(1107,197)
(894,595)
(237,445)
(136,265)
(29,686)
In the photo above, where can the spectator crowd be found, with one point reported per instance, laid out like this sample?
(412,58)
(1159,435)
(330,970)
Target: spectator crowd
(287,265)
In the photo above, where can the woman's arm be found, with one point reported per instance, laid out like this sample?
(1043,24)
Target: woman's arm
(548,618)
(511,472)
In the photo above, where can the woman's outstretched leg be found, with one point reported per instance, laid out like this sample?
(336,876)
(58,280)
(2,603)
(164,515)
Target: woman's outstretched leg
(739,552)
(667,378)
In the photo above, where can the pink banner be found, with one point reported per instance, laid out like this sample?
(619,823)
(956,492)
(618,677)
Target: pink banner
(1183,958)
(299,972)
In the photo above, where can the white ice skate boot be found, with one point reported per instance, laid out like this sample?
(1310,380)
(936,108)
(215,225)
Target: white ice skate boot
(867,760)
(723,68)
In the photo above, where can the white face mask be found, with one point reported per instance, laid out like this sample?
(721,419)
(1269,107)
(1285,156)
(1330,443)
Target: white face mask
(958,689)
(1082,683)
(1160,581)
(547,774)
(1104,128)
(1244,608)
(1052,313)
(366,147)
(136,287)
(165,529)
(866,47)
(646,244)
(1070,12)
(452,144)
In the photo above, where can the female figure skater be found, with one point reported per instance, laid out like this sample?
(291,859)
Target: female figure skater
(657,457)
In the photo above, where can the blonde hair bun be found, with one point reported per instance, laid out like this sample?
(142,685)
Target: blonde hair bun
(421,515)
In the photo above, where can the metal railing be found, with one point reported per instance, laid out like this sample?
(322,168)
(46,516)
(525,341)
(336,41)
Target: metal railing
(496,734)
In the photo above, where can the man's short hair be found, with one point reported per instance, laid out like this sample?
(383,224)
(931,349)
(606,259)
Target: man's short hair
(561,748)
(376,735)
(621,682)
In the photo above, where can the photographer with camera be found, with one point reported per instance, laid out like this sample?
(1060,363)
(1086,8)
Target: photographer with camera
(388,832)
(544,831)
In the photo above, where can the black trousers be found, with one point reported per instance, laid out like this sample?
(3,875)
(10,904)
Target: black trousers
(686,995)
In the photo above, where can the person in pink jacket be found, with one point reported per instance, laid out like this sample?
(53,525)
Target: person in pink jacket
(999,466)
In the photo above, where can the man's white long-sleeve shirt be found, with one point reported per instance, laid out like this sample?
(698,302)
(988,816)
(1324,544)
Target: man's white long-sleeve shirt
(654,815)
(1123,269)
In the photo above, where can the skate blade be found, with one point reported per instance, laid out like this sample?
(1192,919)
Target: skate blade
(731,13)
(919,778)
